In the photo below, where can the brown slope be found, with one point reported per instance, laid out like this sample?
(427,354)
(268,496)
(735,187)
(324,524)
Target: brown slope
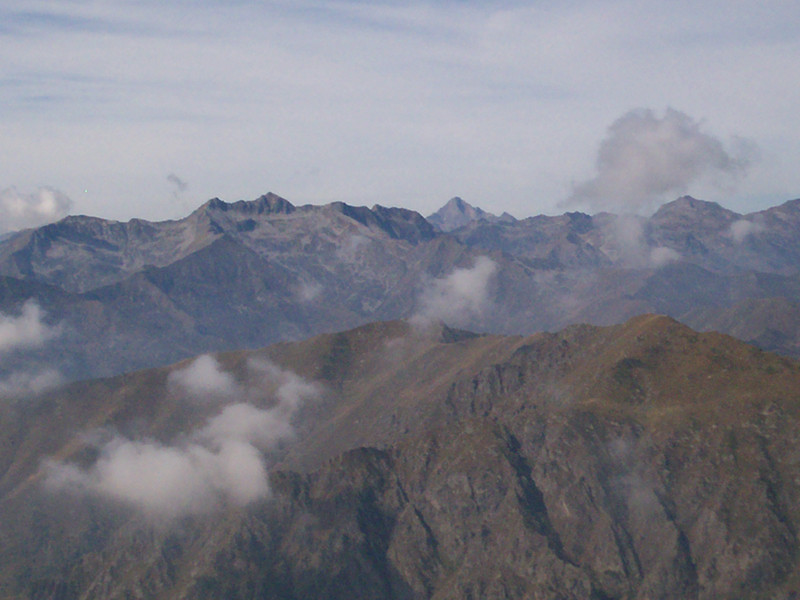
(636,461)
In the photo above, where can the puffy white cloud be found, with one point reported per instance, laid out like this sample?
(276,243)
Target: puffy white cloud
(24,332)
(21,211)
(204,377)
(27,330)
(739,230)
(458,298)
(645,158)
(221,462)
(246,423)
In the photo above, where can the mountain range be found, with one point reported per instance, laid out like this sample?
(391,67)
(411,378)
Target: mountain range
(126,296)
(642,460)
(264,400)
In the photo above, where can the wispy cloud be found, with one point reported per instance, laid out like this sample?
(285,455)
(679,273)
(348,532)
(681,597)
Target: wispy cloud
(222,462)
(743,228)
(20,211)
(180,184)
(306,291)
(627,245)
(384,101)
(26,330)
(27,382)
(458,298)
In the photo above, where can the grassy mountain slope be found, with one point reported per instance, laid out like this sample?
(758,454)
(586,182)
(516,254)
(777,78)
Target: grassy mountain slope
(641,460)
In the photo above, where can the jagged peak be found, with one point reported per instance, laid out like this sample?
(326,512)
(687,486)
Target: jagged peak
(460,204)
(457,204)
(267,204)
(400,223)
(457,213)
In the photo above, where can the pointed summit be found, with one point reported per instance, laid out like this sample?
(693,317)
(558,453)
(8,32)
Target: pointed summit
(457,213)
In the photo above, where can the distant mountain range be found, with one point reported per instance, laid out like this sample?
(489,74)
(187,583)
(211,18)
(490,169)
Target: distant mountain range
(491,444)
(124,296)
(643,460)
(457,213)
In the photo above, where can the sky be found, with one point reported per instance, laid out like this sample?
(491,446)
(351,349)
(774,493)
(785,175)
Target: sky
(145,108)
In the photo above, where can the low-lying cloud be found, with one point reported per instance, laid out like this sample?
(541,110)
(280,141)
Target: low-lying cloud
(741,229)
(644,159)
(222,462)
(23,332)
(26,382)
(663,255)
(21,211)
(458,298)
(26,330)
(629,246)
(204,377)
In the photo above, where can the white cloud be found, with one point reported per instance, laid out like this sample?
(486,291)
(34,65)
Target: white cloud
(662,255)
(221,462)
(739,230)
(21,211)
(25,331)
(626,244)
(204,377)
(23,383)
(646,159)
(458,298)
(247,423)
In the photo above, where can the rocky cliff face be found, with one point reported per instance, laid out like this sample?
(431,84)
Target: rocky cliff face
(637,461)
(132,295)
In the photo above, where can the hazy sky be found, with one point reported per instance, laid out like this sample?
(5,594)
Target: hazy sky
(148,108)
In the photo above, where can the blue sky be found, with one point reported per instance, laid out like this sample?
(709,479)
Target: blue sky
(147,109)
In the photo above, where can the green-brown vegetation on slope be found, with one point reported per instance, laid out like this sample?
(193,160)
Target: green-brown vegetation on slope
(643,460)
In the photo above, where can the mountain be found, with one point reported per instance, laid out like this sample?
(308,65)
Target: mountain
(634,461)
(116,297)
(687,230)
(770,323)
(80,254)
(457,213)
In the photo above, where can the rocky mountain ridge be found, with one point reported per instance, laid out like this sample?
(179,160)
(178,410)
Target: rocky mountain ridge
(125,296)
(643,460)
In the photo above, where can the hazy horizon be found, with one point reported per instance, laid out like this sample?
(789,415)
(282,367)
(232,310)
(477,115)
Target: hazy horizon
(149,109)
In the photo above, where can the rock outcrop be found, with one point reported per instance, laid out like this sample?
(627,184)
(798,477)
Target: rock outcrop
(638,461)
